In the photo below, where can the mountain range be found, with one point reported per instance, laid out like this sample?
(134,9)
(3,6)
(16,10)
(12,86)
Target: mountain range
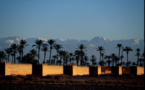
(71,45)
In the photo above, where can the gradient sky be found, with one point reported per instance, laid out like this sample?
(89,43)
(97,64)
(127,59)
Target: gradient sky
(72,19)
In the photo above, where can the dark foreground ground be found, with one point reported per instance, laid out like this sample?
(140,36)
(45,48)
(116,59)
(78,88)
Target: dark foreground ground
(64,82)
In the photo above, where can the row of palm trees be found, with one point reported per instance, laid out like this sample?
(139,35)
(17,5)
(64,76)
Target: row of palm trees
(62,56)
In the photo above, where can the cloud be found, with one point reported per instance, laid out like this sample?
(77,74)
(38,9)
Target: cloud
(136,41)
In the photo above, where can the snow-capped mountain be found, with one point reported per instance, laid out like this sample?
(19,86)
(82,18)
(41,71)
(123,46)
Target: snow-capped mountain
(71,45)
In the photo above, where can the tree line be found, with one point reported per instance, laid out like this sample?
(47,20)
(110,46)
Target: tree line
(63,57)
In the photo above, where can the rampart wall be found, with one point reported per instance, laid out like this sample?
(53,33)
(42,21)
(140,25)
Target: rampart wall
(16,69)
(73,70)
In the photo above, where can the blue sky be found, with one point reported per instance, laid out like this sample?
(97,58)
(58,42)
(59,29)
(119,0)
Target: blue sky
(72,19)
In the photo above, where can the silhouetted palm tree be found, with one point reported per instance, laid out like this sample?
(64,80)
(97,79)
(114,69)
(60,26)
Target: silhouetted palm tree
(34,53)
(82,49)
(113,56)
(8,51)
(44,49)
(19,49)
(127,49)
(2,55)
(121,59)
(38,45)
(77,56)
(57,48)
(100,49)
(138,54)
(65,57)
(119,46)
(93,60)
(14,51)
(54,59)
(23,45)
(108,59)
(70,57)
(51,42)
(86,59)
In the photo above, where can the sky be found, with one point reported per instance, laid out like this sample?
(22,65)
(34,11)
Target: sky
(72,19)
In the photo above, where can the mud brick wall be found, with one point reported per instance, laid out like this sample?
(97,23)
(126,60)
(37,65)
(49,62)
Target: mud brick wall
(137,70)
(105,70)
(75,70)
(125,70)
(116,70)
(140,70)
(95,70)
(18,69)
(80,70)
(51,69)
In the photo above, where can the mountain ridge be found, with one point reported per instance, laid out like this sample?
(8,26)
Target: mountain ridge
(70,45)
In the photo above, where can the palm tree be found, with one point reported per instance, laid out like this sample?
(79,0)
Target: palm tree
(51,43)
(65,57)
(86,59)
(38,45)
(108,59)
(20,52)
(119,46)
(44,49)
(70,57)
(82,49)
(77,56)
(34,53)
(93,60)
(2,55)
(127,49)
(8,51)
(138,54)
(113,56)
(53,60)
(100,49)
(121,59)
(57,48)
(14,51)
(23,45)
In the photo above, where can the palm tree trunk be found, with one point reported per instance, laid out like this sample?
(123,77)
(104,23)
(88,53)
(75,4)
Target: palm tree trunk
(22,54)
(44,56)
(14,58)
(38,54)
(127,59)
(137,59)
(50,57)
(100,56)
(119,55)
(8,57)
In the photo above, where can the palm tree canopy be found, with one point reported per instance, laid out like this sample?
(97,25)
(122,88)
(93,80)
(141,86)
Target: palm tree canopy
(100,48)
(119,45)
(137,49)
(45,47)
(33,52)
(14,48)
(81,47)
(2,55)
(8,50)
(127,49)
(51,41)
(57,47)
(38,43)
